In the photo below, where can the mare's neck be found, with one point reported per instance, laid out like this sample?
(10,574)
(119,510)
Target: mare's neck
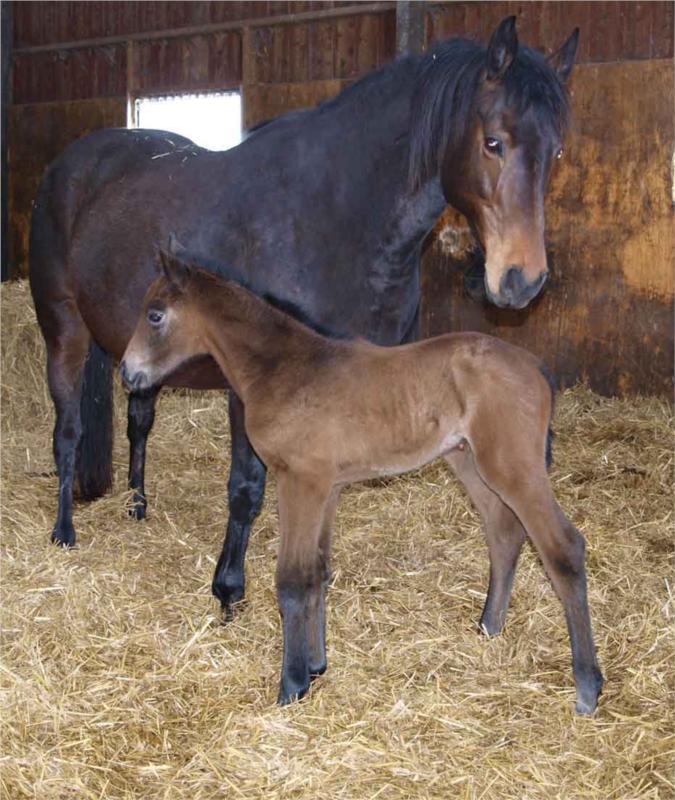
(374,122)
(249,338)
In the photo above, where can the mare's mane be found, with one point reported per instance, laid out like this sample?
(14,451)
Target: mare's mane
(446,80)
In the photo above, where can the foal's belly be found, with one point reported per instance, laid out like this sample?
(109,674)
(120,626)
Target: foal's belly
(378,464)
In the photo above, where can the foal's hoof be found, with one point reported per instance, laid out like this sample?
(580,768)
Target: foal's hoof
(64,537)
(588,693)
(139,507)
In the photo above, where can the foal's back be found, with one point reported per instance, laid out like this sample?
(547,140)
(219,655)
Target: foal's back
(364,410)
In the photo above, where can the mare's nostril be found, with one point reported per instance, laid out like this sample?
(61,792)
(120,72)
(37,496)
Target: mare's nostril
(513,283)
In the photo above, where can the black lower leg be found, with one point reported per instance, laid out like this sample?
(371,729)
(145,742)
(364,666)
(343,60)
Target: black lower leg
(505,537)
(67,432)
(295,671)
(246,491)
(141,415)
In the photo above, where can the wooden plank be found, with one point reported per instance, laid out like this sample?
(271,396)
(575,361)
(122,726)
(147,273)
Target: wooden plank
(5,52)
(410,27)
(197,63)
(321,50)
(266,101)
(340,10)
(73,75)
(38,134)
(607,314)
(610,31)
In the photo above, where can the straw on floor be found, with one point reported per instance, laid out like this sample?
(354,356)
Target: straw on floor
(119,681)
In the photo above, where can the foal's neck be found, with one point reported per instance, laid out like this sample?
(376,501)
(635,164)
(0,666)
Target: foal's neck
(248,337)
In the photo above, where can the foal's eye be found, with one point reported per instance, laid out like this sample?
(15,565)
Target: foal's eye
(155,317)
(559,154)
(494,146)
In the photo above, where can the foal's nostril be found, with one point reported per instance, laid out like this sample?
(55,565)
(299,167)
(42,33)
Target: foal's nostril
(129,381)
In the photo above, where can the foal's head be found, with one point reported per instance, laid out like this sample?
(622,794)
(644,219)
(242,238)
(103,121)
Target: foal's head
(168,333)
(491,121)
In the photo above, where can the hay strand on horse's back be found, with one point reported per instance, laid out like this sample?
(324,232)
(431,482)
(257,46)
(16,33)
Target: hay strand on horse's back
(119,680)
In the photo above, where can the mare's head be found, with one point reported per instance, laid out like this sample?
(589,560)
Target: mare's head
(168,333)
(491,122)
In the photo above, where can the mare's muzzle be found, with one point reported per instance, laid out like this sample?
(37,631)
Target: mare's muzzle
(514,290)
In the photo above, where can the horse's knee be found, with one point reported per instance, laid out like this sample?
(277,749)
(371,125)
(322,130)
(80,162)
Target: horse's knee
(246,493)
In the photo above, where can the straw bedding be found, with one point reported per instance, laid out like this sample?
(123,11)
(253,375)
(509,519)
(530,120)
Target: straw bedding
(119,681)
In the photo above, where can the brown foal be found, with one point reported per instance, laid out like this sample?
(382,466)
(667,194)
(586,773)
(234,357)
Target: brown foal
(324,412)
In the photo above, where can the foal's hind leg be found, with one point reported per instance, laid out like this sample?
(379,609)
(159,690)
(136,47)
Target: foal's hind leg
(141,416)
(316,630)
(561,547)
(67,341)
(504,534)
(246,491)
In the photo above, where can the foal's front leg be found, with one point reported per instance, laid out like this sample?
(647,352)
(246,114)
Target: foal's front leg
(300,577)
(317,603)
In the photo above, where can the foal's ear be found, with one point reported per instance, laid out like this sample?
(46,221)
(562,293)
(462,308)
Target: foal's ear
(562,60)
(175,270)
(502,49)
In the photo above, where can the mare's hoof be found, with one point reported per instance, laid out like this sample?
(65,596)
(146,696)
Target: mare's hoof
(64,537)
(490,627)
(588,692)
(231,609)
(228,592)
(139,508)
(315,672)
(290,691)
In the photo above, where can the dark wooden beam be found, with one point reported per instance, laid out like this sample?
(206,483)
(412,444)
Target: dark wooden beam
(6,44)
(200,30)
(410,27)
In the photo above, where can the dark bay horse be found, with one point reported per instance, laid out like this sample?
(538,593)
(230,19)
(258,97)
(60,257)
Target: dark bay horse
(322,413)
(328,207)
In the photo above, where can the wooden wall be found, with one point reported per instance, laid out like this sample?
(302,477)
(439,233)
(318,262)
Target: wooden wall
(607,315)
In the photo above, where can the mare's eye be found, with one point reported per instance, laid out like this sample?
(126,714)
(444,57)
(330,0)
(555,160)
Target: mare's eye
(494,146)
(155,317)
(559,154)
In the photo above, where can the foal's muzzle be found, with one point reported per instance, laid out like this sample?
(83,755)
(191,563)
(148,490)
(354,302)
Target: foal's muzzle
(514,290)
(134,381)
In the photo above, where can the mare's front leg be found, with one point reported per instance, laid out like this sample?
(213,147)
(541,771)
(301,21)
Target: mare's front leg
(246,491)
(301,573)
(504,535)
(141,415)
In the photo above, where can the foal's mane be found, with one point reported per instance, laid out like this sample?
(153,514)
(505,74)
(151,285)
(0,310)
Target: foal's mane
(230,273)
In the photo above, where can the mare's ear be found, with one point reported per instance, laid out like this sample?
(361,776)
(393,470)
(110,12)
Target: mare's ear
(562,60)
(502,49)
(175,270)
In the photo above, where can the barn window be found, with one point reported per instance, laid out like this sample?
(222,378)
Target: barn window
(211,120)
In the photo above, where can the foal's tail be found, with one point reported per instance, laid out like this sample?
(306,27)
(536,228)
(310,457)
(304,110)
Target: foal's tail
(94,461)
(550,435)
